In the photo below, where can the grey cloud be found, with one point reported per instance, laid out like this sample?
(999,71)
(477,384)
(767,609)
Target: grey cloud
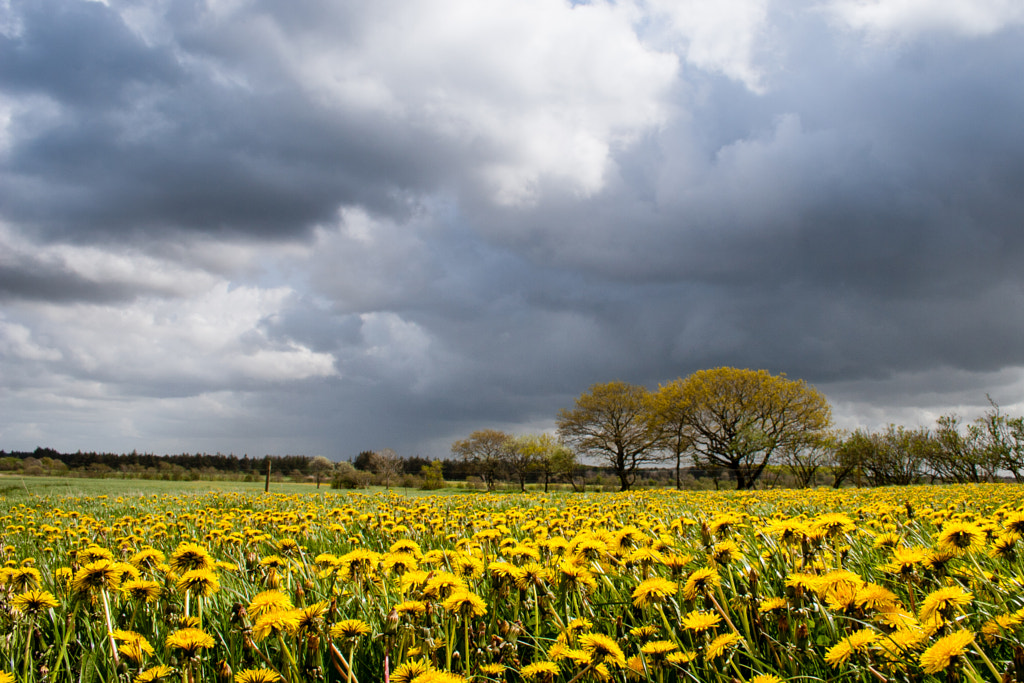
(856,224)
(41,282)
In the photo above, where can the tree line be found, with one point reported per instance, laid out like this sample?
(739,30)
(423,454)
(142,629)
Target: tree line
(749,427)
(48,461)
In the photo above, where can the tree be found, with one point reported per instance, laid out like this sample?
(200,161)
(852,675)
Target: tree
(612,422)
(1003,439)
(488,452)
(804,463)
(524,457)
(321,466)
(848,457)
(364,461)
(669,419)
(544,454)
(740,419)
(387,465)
(962,454)
(433,475)
(895,457)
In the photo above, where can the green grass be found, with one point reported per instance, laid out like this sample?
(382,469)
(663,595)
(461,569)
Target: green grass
(15,488)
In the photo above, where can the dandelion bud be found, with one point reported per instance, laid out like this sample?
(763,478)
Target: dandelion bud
(223,672)
(753,578)
(237,613)
(393,619)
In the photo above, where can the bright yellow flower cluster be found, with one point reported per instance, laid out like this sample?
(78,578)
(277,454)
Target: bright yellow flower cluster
(897,584)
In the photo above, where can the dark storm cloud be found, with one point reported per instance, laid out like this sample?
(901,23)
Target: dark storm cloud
(383,225)
(41,282)
(129,137)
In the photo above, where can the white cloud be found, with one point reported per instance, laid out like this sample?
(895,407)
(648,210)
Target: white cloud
(720,36)
(906,18)
(216,339)
(16,343)
(532,91)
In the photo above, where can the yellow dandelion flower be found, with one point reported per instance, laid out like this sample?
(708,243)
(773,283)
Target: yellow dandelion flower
(34,602)
(100,574)
(871,596)
(439,677)
(701,582)
(268,601)
(257,676)
(201,582)
(147,558)
(24,578)
(946,651)
(189,556)
(154,674)
(142,590)
(725,552)
(350,629)
(602,648)
(136,650)
(681,658)
(941,602)
(409,670)
(493,669)
(771,604)
(190,641)
(635,668)
(856,642)
(644,631)
(659,649)
(905,560)
(539,670)
(465,603)
(276,622)
(531,574)
(766,678)
(560,652)
(959,537)
(700,621)
(721,645)
(653,591)
(441,585)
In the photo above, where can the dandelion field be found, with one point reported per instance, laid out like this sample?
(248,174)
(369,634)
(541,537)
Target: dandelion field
(911,584)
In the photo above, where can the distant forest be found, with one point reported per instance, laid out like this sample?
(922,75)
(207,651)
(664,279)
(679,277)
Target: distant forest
(195,466)
(358,471)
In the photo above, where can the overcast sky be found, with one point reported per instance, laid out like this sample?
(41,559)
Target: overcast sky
(318,226)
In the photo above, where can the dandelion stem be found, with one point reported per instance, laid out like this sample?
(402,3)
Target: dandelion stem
(28,648)
(110,626)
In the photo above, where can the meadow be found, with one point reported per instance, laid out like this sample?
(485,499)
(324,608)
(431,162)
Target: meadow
(889,584)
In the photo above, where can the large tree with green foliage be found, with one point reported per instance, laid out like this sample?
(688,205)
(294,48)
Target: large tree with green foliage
(487,452)
(612,422)
(740,419)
